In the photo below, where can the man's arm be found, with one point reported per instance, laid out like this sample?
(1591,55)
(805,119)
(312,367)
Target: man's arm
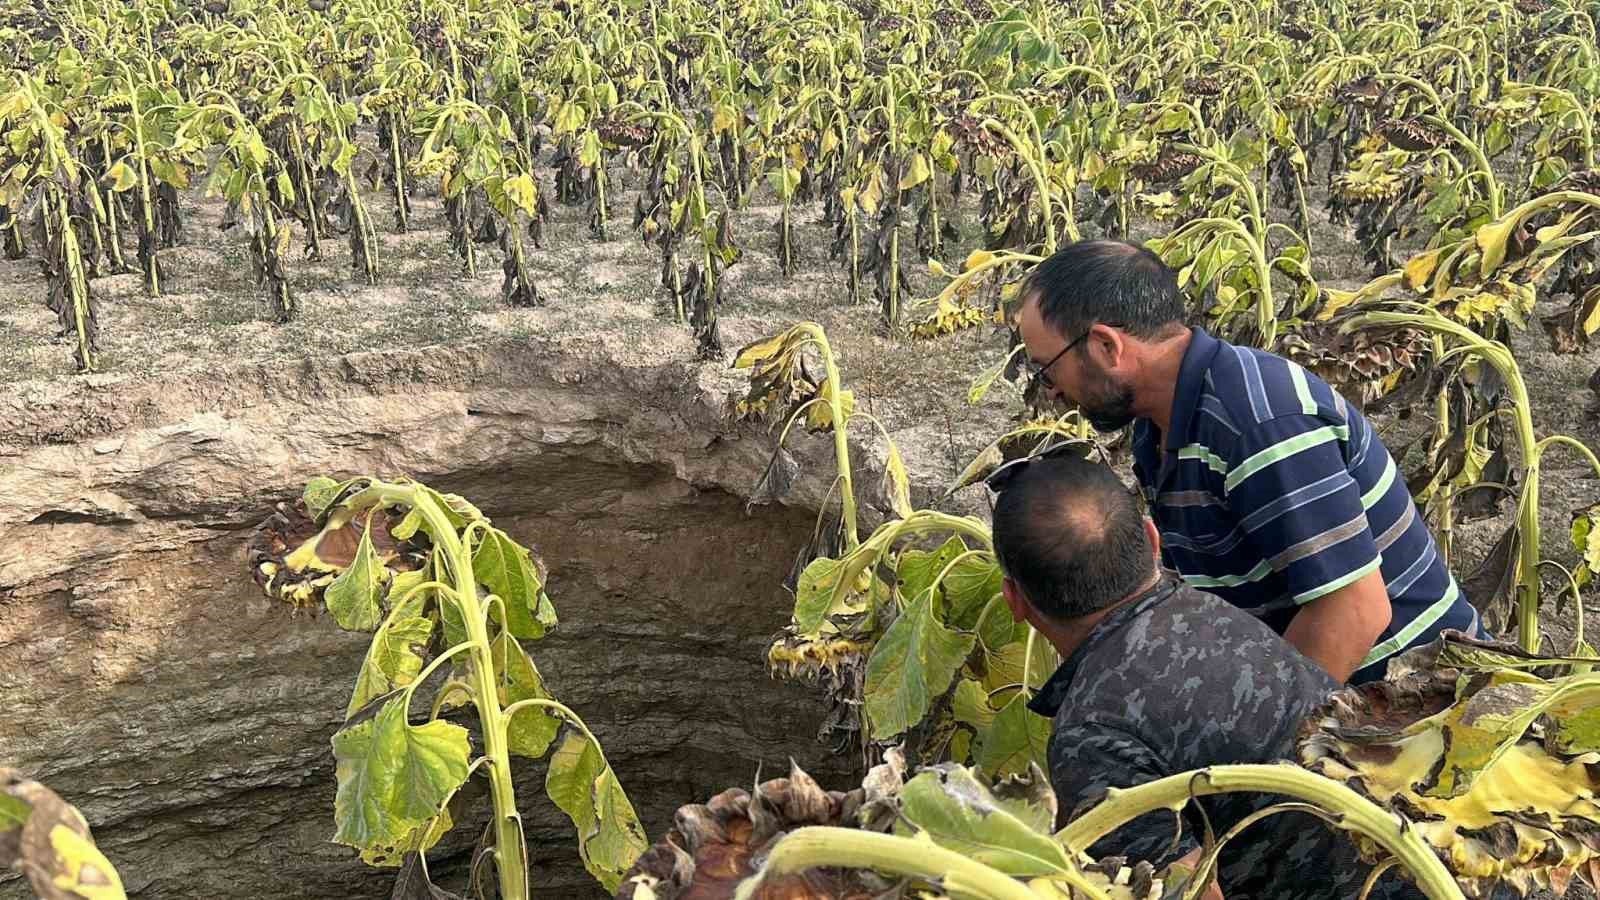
(1338,629)
(1289,487)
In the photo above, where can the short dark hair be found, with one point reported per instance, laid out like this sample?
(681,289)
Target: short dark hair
(1114,282)
(1071,536)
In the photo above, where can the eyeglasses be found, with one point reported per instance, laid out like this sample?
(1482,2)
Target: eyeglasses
(1002,476)
(1041,374)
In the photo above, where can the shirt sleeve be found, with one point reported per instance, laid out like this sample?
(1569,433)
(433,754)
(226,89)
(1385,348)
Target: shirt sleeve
(1298,506)
(1088,757)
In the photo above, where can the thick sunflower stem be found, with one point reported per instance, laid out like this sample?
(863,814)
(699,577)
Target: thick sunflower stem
(1356,813)
(841,442)
(456,556)
(818,845)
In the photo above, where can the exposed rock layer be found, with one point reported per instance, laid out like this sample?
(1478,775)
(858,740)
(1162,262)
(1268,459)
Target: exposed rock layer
(149,682)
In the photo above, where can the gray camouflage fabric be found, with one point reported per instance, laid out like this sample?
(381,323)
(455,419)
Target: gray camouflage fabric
(1179,680)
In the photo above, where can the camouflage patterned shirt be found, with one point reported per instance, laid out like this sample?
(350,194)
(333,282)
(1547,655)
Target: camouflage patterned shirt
(1176,680)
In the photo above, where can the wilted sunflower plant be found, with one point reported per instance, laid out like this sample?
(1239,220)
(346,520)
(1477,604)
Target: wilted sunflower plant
(789,157)
(146,154)
(907,626)
(1228,252)
(249,177)
(328,123)
(443,591)
(1509,581)
(1026,180)
(1407,175)
(1459,294)
(41,173)
(587,97)
(675,187)
(1488,752)
(399,77)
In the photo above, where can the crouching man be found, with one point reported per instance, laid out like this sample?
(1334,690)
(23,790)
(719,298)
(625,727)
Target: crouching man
(1159,678)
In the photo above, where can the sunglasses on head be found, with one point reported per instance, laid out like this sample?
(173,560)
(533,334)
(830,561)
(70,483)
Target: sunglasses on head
(1003,475)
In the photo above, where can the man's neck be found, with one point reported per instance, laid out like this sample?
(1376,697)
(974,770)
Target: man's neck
(1159,381)
(1069,636)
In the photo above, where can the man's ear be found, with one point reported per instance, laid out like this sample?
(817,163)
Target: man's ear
(1018,604)
(1153,535)
(1109,344)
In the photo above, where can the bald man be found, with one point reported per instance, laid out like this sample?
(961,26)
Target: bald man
(1157,679)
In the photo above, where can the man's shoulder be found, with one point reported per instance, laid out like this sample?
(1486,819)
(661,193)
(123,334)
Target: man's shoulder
(1249,387)
(1203,628)
(1196,675)
(1190,633)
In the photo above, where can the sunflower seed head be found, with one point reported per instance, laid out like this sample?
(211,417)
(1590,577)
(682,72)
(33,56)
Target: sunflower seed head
(1410,134)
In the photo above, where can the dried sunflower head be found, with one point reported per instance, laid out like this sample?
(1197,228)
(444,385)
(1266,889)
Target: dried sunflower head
(795,656)
(1410,134)
(1170,166)
(1295,31)
(1163,207)
(48,840)
(116,105)
(1298,100)
(1364,366)
(1513,110)
(1584,180)
(1136,152)
(1373,177)
(294,556)
(1363,91)
(783,377)
(621,133)
(949,317)
(382,99)
(968,131)
(1203,86)
(714,846)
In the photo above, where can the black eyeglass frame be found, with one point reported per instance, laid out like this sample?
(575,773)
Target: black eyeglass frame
(1041,374)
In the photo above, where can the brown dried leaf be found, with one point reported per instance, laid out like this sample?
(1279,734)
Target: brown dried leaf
(47,839)
(1489,585)
(1457,740)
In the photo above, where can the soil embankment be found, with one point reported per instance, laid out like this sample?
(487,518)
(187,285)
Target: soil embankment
(150,682)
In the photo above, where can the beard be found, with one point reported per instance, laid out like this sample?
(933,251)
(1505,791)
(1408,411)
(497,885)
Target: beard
(1109,407)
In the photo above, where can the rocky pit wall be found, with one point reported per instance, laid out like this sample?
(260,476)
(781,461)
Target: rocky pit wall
(150,682)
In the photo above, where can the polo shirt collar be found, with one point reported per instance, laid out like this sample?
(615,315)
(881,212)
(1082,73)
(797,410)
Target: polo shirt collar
(1054,692)
(1197,359)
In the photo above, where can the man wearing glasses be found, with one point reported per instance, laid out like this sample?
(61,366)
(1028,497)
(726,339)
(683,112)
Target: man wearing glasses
(1268,489)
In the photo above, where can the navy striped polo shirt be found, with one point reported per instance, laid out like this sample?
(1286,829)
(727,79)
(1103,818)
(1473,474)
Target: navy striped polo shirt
(1274,491)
